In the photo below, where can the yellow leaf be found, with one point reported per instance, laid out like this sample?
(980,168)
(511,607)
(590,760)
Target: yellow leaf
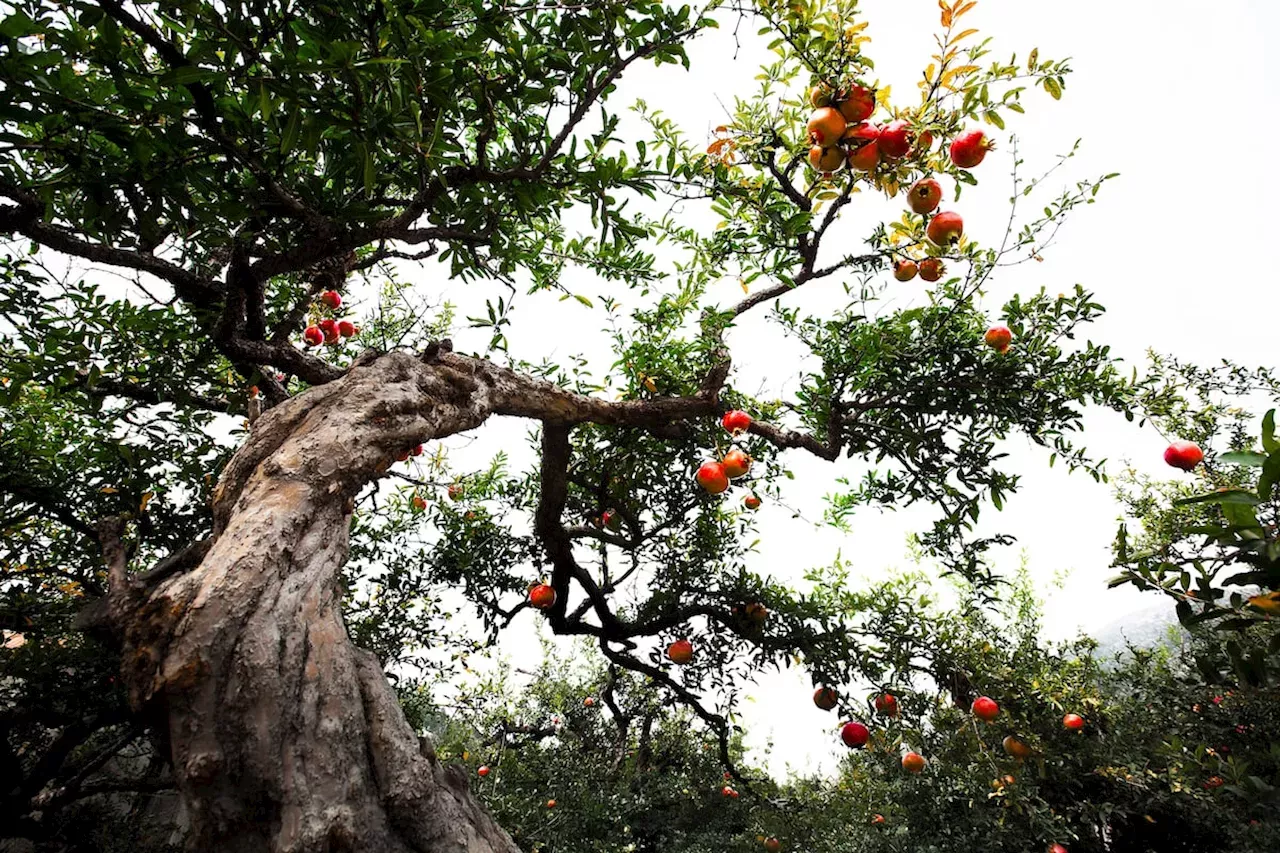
(146,499)
(1033,59)
(958,71)
(928,73)
(966,7)
(882,95)
(743,282)
(108,490)
(963,35)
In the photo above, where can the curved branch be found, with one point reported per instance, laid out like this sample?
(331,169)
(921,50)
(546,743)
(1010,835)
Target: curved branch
(26,220)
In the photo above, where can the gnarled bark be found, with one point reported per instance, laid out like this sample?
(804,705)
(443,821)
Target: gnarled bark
(284,736)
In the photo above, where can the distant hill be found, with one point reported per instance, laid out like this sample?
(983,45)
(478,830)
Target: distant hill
(1146,627)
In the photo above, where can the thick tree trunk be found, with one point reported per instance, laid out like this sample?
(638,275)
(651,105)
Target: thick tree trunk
(284,736)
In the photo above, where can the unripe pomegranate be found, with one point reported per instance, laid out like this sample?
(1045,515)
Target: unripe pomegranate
(751,502)
(945,229)
(772,845)
(826,126)
(1057,848)
(905,269)
(455,492)
(346,328)
(712,477)
(855,735)
(857,103)
(895,139)
(736,463)
(1074,722)
(483,771)
(969,148)
(1183,455)
(913,762)
(924,196)
(313,336)
(931,269)
(825,698)
(877,819)
(330,330)
(418,503)
(680,652)
(826,159)
(998,338)
(820,96)
(611,520)
(887,704)
(331,298)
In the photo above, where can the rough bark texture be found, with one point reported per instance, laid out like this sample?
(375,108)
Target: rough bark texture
(284,736)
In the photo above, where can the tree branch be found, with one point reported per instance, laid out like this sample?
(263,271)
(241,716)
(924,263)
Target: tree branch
(26,220)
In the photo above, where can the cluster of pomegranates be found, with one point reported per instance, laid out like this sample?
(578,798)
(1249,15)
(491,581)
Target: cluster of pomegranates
(944,230)
(840,133)
(328,330)
(856,735)
(714,476)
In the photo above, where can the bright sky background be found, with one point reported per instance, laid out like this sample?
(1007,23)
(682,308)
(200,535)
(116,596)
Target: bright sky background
(1173,94)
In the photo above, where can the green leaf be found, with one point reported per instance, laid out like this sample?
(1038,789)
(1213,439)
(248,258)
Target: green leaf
(185,75)
(369,175)
(17,25)
(1269,477)
(1226,496)
(1244,457)
(290,136)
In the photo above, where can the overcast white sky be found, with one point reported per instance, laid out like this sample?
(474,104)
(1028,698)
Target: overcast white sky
(1175,95)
